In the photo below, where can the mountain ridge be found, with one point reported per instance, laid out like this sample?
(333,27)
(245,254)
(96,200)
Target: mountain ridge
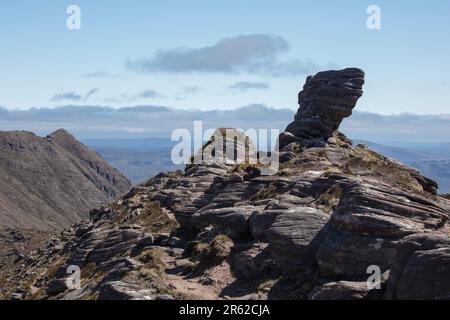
(52,182)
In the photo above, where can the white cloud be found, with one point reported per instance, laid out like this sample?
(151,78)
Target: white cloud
(255,54)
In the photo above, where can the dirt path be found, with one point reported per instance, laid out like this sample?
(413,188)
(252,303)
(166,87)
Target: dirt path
(190,287)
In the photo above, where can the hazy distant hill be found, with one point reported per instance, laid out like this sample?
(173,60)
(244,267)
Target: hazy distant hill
(439,170)
(138,166)
(432,160)
(52,182)
(142,158)
(138,159)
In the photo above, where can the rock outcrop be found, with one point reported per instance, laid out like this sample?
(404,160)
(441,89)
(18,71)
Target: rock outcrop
(420,269)
(317,229)
(327,98)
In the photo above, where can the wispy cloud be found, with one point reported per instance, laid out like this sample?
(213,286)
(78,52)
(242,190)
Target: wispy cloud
(73,96)
(184,92)
(131,98)
(255,54)
(100,74)
(149,94)
(91,93)
(66,96)
(248,85)
(191,90)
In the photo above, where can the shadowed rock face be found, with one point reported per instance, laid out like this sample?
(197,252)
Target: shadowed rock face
(311,231)
(327,98)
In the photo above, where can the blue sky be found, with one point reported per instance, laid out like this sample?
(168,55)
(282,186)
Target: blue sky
(111,60)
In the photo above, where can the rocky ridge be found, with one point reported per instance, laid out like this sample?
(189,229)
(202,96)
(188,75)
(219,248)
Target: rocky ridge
(223,231)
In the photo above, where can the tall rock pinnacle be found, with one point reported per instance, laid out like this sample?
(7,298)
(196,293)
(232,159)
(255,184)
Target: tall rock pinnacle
(327,98)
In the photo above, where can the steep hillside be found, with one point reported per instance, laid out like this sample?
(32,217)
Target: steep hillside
(50,183)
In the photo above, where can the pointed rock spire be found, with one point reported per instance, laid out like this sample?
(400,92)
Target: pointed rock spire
(327,98)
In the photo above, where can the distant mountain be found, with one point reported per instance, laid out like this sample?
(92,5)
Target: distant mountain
(432,160)
(438,170)
(52,182)
(134,144)
(139,166)
(400,153)
(139,158)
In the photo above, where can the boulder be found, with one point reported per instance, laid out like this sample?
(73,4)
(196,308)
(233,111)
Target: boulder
(226,146)
(253,262)
(119,290)
(100,245)
(349,256)
(385,211)
(230,221)
(342,290)
(261,221)
(116,242)
(296,234)
(421,268)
